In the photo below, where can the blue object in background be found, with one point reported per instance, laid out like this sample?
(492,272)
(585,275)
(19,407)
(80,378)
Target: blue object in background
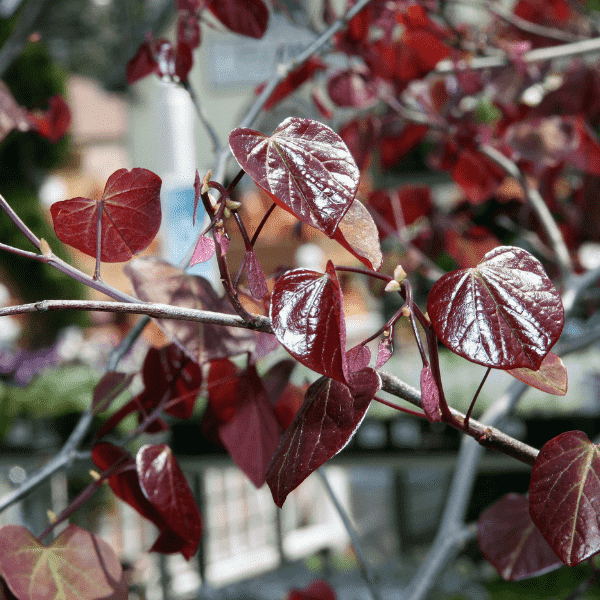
(178,233)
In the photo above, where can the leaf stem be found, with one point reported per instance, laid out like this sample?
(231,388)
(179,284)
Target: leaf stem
(468,416)
(210,130)
(409,411)
(262,223)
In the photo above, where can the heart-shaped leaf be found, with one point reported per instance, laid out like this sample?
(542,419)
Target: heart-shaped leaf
(76,566)
(166,488)
(308,320)
(329,417)
(512,543)
(430,396)
(204,250)
(551,377)
(246,17)
(504,313)
(358,233)
(358,358)
(252,434)
(564,496)
(130,211)
(305,166)
(155,280)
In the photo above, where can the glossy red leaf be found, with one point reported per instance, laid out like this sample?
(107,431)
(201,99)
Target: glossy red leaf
(351,89)
(317,590)
(155,280)
(358,233)
(131,215)
(293,81)
(564,496)
(512,543)
(329,417)
(75,566)
(204,250)
(308,320)
(551,377)
(256,276)
(252,434)
(305,167)
(108,388)
(430,396)
(166,488)
(246,17)
(504,313)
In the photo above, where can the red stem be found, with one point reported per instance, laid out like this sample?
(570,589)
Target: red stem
(409,411)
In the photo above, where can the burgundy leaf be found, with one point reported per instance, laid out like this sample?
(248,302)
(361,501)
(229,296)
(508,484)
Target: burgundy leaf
(204,250)
(246,17)
(430,396)
(358,233)
(108,388)
(265,344)
(551,377)
(289,404)
(329,417)
(141,64)
(293,81)
(477,175)
(256,276)
(188,30)
(564,496)
(125,483)
(351,89)
(252,434)
(308,320)
(276,379)
(184,61)
(393,148)
(317,590)
(358,358)
(223,385)
(512,543)
(155,280)
(131,215)
(165,486)
(505,313)
(384,351)
(361,135)
(305,167)
(75,566)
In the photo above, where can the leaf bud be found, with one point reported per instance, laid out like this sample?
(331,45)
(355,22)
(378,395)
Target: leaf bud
(45,248)
(392,286)
(406,311)
(232,204)
(399,274)
(95,475)
(51,516)
(227,212)
(205,180)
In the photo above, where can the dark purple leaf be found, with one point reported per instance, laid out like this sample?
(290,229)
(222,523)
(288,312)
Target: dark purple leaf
(166,488)
(329,417)
(305,167)
(512,543)
(155,280)
(131,216)
(384,351)
(141,64)
(256,276)
(252,434)
(505,313)
(276,379)
(564,496)
(308,320)
(246,17)
(430,396)
(551,377)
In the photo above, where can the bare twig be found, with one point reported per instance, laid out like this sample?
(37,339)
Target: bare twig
(210,130)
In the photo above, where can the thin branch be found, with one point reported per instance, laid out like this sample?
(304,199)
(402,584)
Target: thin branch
(539,206)
(156,310)
(539,54)
(14,217)
(210,130)
(362,561)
